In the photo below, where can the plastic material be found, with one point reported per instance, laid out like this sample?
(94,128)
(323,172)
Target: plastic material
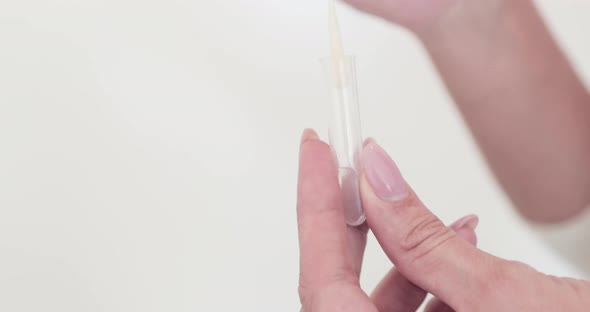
(345,133)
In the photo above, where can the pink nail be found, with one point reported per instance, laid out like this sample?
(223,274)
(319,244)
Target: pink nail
(308,135)
(368,141)
(383,174)
(470,221)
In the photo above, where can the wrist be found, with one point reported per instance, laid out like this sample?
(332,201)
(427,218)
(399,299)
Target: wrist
(464,20)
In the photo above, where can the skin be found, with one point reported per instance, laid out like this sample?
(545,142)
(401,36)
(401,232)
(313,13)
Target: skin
(523,102)
(429,257)
(530,115)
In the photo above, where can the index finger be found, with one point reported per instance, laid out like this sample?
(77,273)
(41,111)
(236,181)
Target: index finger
(324,250)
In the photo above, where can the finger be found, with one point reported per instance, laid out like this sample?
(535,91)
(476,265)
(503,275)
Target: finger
(436,305)
(465,228)
(396,294)
(425,251)
(357,240)
(383,9)
(323,240)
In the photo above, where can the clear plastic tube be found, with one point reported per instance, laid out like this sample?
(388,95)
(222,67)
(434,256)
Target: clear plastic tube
(345,133)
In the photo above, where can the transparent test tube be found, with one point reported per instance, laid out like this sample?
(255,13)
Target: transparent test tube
(345,133)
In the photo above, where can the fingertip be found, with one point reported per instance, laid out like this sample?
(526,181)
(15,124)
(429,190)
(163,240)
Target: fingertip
(368,141)
(324,250)
(468,235)
(315,157)
(470,221)
(391,211)
(309,135)
(382,173)
(465,228)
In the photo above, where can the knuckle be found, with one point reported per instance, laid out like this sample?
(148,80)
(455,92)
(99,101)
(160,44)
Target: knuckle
(425,234)
(506,279)
(303,289)
(303,298)
(401,207)
(578,288)
(504,274)
(313,288)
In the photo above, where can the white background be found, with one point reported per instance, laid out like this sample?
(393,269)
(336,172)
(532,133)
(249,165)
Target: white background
(148,149)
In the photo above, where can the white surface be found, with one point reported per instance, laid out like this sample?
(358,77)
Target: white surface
(149,148)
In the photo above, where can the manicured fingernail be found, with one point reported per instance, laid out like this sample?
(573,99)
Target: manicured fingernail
(368,141)
(383,174)
(470,221)
(308,135)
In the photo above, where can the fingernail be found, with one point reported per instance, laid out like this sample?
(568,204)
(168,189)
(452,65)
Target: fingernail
(383,174)
(308,135)
(470,221)
(368,141)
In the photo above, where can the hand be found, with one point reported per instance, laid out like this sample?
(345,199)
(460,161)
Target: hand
(331,252)
(408,13)
(421,16)
(500,63)
(429,256)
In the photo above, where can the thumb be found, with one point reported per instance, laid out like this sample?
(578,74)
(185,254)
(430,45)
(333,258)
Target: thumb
(425,251)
